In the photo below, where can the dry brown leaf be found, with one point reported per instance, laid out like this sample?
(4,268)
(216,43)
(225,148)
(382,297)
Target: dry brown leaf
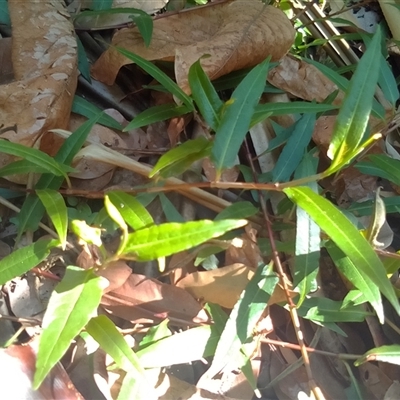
(303,80)
(235,35)
(44,57)
(142,298)
(221,286)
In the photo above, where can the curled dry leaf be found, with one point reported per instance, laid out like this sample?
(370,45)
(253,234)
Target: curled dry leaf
(233,35)
(44,57)
(303,80)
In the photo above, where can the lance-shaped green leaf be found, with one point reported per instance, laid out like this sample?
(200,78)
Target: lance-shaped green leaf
(243,319)
(57,211)
(179,159)
(159,76)
(71,306)
(381,165)
(24,259)
(156,114)
(361,281)
(294,107)
(113,343)
(294,149)
(308,242)
(32,210)
(240,209)
(84,107)
(236,117)
(144,22)
(134,214)
(35,156)
(205,95)
(389,354)
(347,238)
(22,167)
(169,238)
(354,113)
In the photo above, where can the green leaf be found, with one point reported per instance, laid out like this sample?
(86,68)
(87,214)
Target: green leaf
(4,14)
(83,107)
(145,25)
(32,210)
(102,4)
(22,167)
(83,63)
(57,211)
(155,333)
(392,205)
(205,96)
(236,117)
(169,238)
(113,343)
(180,158)
(381,165)
(361,281)
(155,114)
(354,113)
(389,354)
(294,149)
(307,250)
(88,234)
(35,156)
(347,238)
(241,209)
(294,107)
(134,214)
(24,259)
(243,319)
(159,76)
(71,305)
(170,211)
(321,309)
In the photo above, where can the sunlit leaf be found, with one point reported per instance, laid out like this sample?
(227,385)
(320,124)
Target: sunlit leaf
(180,158)
(70,307)
(361,281)
(243,318)
(134,214)
(307,251)
(113,343)
(57,211)
(354,113)
(321,309)
(169,238)
(24,259)
(389,354)
(347,238)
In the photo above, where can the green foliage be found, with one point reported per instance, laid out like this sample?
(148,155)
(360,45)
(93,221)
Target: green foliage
(318,223)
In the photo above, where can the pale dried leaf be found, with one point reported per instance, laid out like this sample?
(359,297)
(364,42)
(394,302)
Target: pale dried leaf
(235,35)
(303,80)
(142,298)
(221,286)
(44,59)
